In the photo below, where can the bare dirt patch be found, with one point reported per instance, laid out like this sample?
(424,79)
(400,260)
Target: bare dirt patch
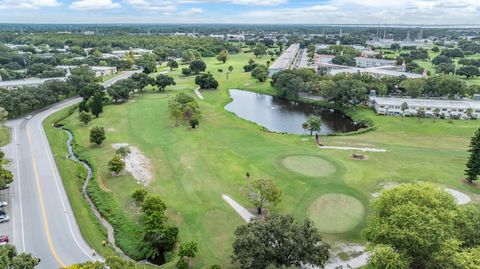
(137,164)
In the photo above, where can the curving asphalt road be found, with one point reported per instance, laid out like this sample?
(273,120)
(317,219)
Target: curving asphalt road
(43,221)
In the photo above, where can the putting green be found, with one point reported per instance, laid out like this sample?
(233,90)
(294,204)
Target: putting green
(312,166)
(336,213)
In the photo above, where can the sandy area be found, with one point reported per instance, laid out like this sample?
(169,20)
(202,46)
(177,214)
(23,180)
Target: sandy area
(137,164)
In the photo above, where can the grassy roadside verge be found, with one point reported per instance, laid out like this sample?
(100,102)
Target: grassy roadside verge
(73,176)
(127,232)
(4,136)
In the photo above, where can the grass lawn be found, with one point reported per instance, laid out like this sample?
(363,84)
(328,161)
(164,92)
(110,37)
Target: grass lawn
(4,136)
(193,168)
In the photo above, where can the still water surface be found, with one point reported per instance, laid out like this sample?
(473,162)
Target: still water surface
(280,115)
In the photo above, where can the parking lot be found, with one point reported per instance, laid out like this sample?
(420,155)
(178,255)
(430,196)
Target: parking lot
(7,228)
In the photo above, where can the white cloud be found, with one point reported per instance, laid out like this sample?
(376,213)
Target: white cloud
(94,5)
(190,12)
(171,5)
(258,2)
(372,12)
(28,4)
(163,6)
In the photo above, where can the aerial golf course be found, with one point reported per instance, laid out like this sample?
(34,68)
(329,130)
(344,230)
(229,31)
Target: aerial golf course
(192,169)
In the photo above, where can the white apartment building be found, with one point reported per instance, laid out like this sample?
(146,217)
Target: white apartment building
(366,62)
(463,109)
(99,70)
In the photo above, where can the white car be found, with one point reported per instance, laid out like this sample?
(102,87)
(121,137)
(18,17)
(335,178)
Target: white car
(28,117)
(3,204)
(4,218)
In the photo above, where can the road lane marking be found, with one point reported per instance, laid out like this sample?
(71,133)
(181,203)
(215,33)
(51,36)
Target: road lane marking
(49,157)
(15,154)
(42,204)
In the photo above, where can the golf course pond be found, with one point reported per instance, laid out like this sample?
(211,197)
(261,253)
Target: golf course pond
(284,116)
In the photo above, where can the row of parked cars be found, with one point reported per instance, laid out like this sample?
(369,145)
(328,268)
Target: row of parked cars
(3,214)
(4,218)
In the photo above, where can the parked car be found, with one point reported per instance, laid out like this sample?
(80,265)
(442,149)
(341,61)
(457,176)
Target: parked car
(28,117)
(4,218)
(3,204)
(4,240)
(2,212)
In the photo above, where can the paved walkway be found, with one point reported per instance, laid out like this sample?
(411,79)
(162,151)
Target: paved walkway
(198,93)
(460,197)
(354,148)
(247,216)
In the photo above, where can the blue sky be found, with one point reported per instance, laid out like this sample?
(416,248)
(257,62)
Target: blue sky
(242,11)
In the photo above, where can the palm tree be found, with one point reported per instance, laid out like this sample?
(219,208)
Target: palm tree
(404,107)
(123,151)
(469,113)
(305,127)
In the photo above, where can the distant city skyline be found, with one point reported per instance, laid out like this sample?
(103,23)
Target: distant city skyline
(427,12)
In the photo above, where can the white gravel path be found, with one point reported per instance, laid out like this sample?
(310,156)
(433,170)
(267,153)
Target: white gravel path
(198,93)
(354,148)
(460,197)
(334,261)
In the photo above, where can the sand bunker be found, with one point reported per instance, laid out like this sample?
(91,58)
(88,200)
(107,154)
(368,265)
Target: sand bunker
(137,164)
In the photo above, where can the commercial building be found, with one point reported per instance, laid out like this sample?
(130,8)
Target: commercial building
(375,67)
(285,61)
(136,52)
(375,71)
(462,109)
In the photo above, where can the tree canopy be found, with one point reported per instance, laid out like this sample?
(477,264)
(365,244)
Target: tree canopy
(264,243)
(412,225)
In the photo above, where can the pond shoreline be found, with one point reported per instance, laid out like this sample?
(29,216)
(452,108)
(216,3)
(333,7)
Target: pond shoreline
(275,114)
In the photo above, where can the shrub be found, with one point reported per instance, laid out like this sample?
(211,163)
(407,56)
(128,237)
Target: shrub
(139,195)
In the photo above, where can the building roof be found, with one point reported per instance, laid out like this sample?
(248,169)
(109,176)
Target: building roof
(373,71)
(92,67)
(286,59)
(27,82)
(460,104)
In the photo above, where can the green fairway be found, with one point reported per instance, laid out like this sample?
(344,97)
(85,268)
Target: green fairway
(336,213)
(312,166)
(193,168)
